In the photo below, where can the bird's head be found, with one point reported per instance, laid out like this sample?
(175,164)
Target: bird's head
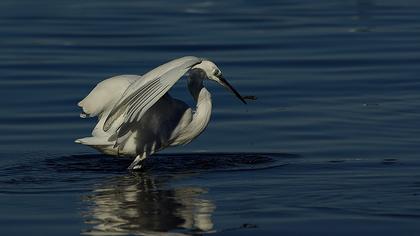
(209,70)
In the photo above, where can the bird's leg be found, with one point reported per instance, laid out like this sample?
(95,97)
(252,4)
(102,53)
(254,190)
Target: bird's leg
(137,163)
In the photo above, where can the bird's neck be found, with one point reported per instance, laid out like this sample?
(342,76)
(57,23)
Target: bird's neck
(201,116)
(202,97)
(202,113)
(195,84)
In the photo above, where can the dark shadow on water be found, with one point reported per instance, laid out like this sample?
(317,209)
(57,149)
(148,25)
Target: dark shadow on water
(174,163)
(80,170)
(160,163)
(216,162)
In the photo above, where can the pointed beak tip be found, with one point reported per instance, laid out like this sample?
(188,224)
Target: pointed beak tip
(224,83)
(250,97)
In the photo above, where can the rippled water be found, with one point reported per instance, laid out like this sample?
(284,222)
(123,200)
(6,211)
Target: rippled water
(330,146)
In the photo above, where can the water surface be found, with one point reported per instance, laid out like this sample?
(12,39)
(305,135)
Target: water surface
(330,146)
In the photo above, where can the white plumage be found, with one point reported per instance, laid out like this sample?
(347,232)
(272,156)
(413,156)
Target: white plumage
(136,115)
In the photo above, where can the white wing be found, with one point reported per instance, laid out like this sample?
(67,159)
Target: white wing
(105,94)
(142,94)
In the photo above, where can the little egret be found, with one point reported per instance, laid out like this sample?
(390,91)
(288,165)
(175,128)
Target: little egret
(137,117)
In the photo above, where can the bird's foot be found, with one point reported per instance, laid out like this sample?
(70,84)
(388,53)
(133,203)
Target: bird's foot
(137,167)
(137,163)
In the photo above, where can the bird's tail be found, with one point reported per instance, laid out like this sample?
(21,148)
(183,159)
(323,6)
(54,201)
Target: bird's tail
(94,141)
(101,144)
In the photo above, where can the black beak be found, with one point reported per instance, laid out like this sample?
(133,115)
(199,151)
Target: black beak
(225,84)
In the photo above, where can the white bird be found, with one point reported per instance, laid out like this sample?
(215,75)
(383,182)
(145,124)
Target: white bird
(137,117)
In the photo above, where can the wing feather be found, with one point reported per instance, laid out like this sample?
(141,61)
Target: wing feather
(144,93)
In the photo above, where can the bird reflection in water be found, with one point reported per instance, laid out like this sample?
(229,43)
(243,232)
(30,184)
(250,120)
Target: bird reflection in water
(146,205)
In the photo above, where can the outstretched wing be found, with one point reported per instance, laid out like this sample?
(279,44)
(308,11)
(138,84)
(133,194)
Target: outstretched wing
(105,94)
(142,94)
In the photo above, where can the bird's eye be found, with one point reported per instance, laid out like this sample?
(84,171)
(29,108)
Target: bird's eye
(217,72)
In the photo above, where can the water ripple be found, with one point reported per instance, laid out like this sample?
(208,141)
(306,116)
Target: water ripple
(81,170)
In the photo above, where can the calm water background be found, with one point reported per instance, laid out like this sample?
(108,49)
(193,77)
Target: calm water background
(330,147)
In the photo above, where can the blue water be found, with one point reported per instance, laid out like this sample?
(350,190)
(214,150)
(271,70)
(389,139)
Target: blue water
(331,146)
